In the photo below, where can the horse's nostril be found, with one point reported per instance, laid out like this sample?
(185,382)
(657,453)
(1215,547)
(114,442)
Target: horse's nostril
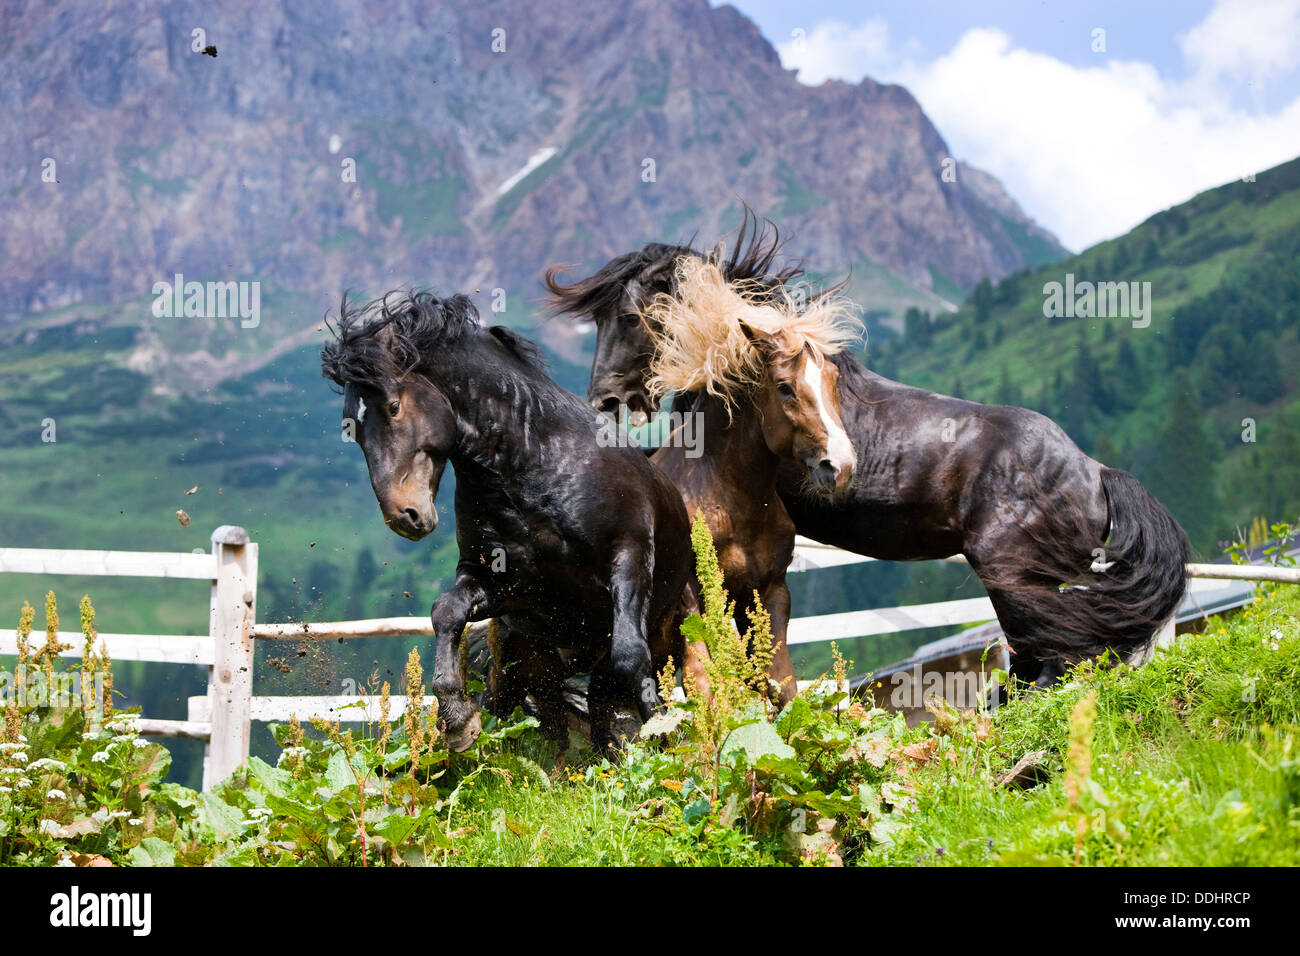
(822,472)
(412,516)
(609,405)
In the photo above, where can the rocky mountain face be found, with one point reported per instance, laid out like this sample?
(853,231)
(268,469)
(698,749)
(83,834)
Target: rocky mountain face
(465,146)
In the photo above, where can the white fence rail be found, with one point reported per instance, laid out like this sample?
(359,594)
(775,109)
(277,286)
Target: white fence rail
(222,718)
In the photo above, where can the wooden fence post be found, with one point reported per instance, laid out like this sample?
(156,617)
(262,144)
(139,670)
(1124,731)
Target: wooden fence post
(233,612)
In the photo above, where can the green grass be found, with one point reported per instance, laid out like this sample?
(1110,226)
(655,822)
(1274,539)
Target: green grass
(1190,760)
(1196,753)
(1195,772)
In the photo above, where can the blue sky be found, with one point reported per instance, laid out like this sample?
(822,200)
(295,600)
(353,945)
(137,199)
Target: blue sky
(1181,96)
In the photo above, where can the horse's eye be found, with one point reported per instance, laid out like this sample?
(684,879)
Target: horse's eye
(394,407)
(785,391)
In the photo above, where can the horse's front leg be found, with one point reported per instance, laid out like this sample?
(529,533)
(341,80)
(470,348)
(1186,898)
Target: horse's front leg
(631,578)
(782,686)
(457,717)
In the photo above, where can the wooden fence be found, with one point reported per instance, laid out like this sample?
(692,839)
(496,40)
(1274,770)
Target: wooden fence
(223,716)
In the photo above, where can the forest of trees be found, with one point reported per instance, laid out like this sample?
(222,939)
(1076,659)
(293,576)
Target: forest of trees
(1164,408)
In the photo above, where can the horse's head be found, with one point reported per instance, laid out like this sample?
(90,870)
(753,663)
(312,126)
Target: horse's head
(614,299)
(750,347)
(617,297)
(402,420)
(798,400)
(406,431)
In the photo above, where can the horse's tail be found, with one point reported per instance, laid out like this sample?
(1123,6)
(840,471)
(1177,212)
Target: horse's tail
(1129,593)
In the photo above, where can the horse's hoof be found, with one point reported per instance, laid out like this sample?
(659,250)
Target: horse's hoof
(463,738)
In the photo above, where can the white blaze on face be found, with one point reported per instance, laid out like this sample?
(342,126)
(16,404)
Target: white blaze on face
(361,409)
(838,447)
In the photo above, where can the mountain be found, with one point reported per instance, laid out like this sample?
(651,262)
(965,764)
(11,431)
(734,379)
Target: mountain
(488,141)
(1198,395)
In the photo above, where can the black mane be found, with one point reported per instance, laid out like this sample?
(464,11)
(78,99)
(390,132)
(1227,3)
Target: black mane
(416,323)
(757,246)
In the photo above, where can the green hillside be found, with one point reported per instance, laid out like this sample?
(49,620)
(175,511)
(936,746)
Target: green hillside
(1172,401)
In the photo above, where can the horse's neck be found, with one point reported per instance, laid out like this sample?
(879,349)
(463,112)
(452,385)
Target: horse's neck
(736,451)
(504,420)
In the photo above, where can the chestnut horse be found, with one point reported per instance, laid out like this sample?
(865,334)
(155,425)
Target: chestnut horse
(566,541)
(1077,558)
(765,394)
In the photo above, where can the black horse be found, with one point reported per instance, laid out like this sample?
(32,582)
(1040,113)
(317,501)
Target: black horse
(1077,558)
(571,544)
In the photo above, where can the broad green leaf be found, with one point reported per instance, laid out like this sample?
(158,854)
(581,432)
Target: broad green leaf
(756,740)
(396,827)
(397,757)
(273,779)
(224,820)
(182,801)
(828,804)
(152,763)
(663,723)
(512,730)
(285,807)
(153,852)
(238,856)
(695,811)
(337,774)
(694,628)
(413,856)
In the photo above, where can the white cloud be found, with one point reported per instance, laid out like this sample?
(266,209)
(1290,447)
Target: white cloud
(836,49)
(1090,151)
(1258,37)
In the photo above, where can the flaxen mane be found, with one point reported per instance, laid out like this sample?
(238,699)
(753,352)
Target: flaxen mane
(699,333)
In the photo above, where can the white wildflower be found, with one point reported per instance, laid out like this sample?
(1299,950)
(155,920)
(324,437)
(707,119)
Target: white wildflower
(134,821)
(50,826)
(100,757)
(56,795)
(139,742)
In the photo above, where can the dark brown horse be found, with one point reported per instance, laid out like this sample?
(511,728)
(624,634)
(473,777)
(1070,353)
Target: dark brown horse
(1077,558)
(569,542)
(765,394)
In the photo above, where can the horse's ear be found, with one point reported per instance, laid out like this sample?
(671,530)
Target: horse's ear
(763,341)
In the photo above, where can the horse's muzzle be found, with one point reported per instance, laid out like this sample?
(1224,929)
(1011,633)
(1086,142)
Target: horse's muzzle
(409,523)
(631,407)
(827,477)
